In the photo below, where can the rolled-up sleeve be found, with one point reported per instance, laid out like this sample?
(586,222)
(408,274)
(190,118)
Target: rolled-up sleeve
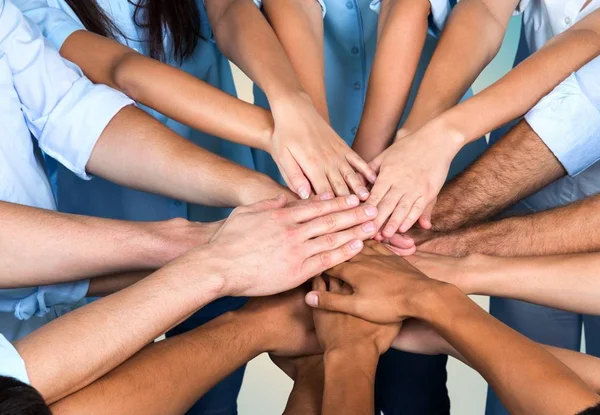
(12,363)
(440,11)
(64,110)
(568,119)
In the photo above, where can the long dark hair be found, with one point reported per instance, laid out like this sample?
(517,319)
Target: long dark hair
(178,18)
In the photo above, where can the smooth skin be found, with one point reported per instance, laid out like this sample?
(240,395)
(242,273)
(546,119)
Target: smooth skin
(386,289)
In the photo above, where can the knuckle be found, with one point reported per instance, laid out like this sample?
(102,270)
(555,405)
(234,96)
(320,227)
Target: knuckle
(330,221)
(326,259)
(330,240)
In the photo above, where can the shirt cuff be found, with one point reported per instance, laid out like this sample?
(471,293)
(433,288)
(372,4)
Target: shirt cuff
(12,363)
(45,297)
(75,125)
(569,124)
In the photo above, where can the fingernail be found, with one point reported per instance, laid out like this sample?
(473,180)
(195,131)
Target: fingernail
(368,227)
(356,244)
(327,196)
(312,299)
(371,211)
(303,193)
(364,193)
(352,200)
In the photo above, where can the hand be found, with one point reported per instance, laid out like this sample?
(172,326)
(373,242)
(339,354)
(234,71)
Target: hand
(286,322)
(309,153)
(386,288)
(337,331)
(450,244)
(265,248)
(411,173)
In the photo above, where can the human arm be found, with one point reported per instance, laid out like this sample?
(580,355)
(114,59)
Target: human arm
(150,382)
(493,349)
(402,29)
(306,149)
(351,348)
(307,372)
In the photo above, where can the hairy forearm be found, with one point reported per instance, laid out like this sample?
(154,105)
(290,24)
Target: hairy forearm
(298,25)
(151,381)
(350,381)
(516,166)
(564,230)
(139,152)
(87,247)
(472,37)
(498,352)
(566,282)
(129,320)
(168,90)
(246,38)
(402,28)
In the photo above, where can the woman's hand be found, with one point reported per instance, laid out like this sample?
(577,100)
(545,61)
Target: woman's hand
(310,155)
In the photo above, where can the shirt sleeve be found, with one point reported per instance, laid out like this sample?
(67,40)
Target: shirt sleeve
(568,119)
(55,23)
(41,301)
(440,11)
(321,3)
(12,363)
(64,110)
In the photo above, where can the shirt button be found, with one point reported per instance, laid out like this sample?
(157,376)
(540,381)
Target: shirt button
(567,20)
(357,85)
(349,5)
(354,130)
(355,50)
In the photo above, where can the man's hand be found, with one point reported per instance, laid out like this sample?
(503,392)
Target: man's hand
(287,323)
(411,173)
(386,288)
(310,154)
(338,331)
(266,248)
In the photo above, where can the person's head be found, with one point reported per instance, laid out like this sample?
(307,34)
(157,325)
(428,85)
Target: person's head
(18,398)
(180,19)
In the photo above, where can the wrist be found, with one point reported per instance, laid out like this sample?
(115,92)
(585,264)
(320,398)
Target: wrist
(205,271)
(345,362)
(261,187)
(445,134)
(430,300)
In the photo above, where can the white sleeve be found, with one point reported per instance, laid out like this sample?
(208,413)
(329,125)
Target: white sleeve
(568,119)
(12,364)
(64,110)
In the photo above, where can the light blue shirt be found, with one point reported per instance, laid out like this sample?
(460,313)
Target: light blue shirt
(41,95)
(350,42)
(102,198)
(12,365)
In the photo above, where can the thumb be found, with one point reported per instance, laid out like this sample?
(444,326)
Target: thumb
(264,205)
(324,300)
(375,164)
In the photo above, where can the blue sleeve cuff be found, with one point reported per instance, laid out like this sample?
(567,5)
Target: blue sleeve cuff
(45,297)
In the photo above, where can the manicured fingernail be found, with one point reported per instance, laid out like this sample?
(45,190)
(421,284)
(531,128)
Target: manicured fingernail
(368,227)
(327,196)
(303,193)
(363,192)
(356,244)
(312,299)
(352,200)
(371,211)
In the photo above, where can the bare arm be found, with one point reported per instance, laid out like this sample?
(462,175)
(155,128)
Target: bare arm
(168,90)
(43,247)
(402,31)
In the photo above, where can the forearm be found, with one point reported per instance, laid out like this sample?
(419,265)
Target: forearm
(87,247)
(306,397)
(246,38)
(516,166)
(151,381)
(168,90)
(402,31)
(350,381)
(139,152)
(91,341)
(110,284)
(497,353)
(470,40)
(298,25)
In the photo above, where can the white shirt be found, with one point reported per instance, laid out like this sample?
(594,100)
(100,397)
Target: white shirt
(12,365)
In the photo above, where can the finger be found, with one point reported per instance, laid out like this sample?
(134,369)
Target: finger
(386,208)
(338,221)
(345,288)
(375,164)
(312,210)
(362,180)
(313,198)
(415,213)
(397,217)
(361,166)
(353,181)
(400,240)
(425,219)
(263,205)
(324,300)
(337,183)
(318,179)
(334,240)
(325,260)
(335,285)
(378,192)
(401,251)
(294,176)
(318,284)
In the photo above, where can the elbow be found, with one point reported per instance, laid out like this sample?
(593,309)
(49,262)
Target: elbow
(123,76)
